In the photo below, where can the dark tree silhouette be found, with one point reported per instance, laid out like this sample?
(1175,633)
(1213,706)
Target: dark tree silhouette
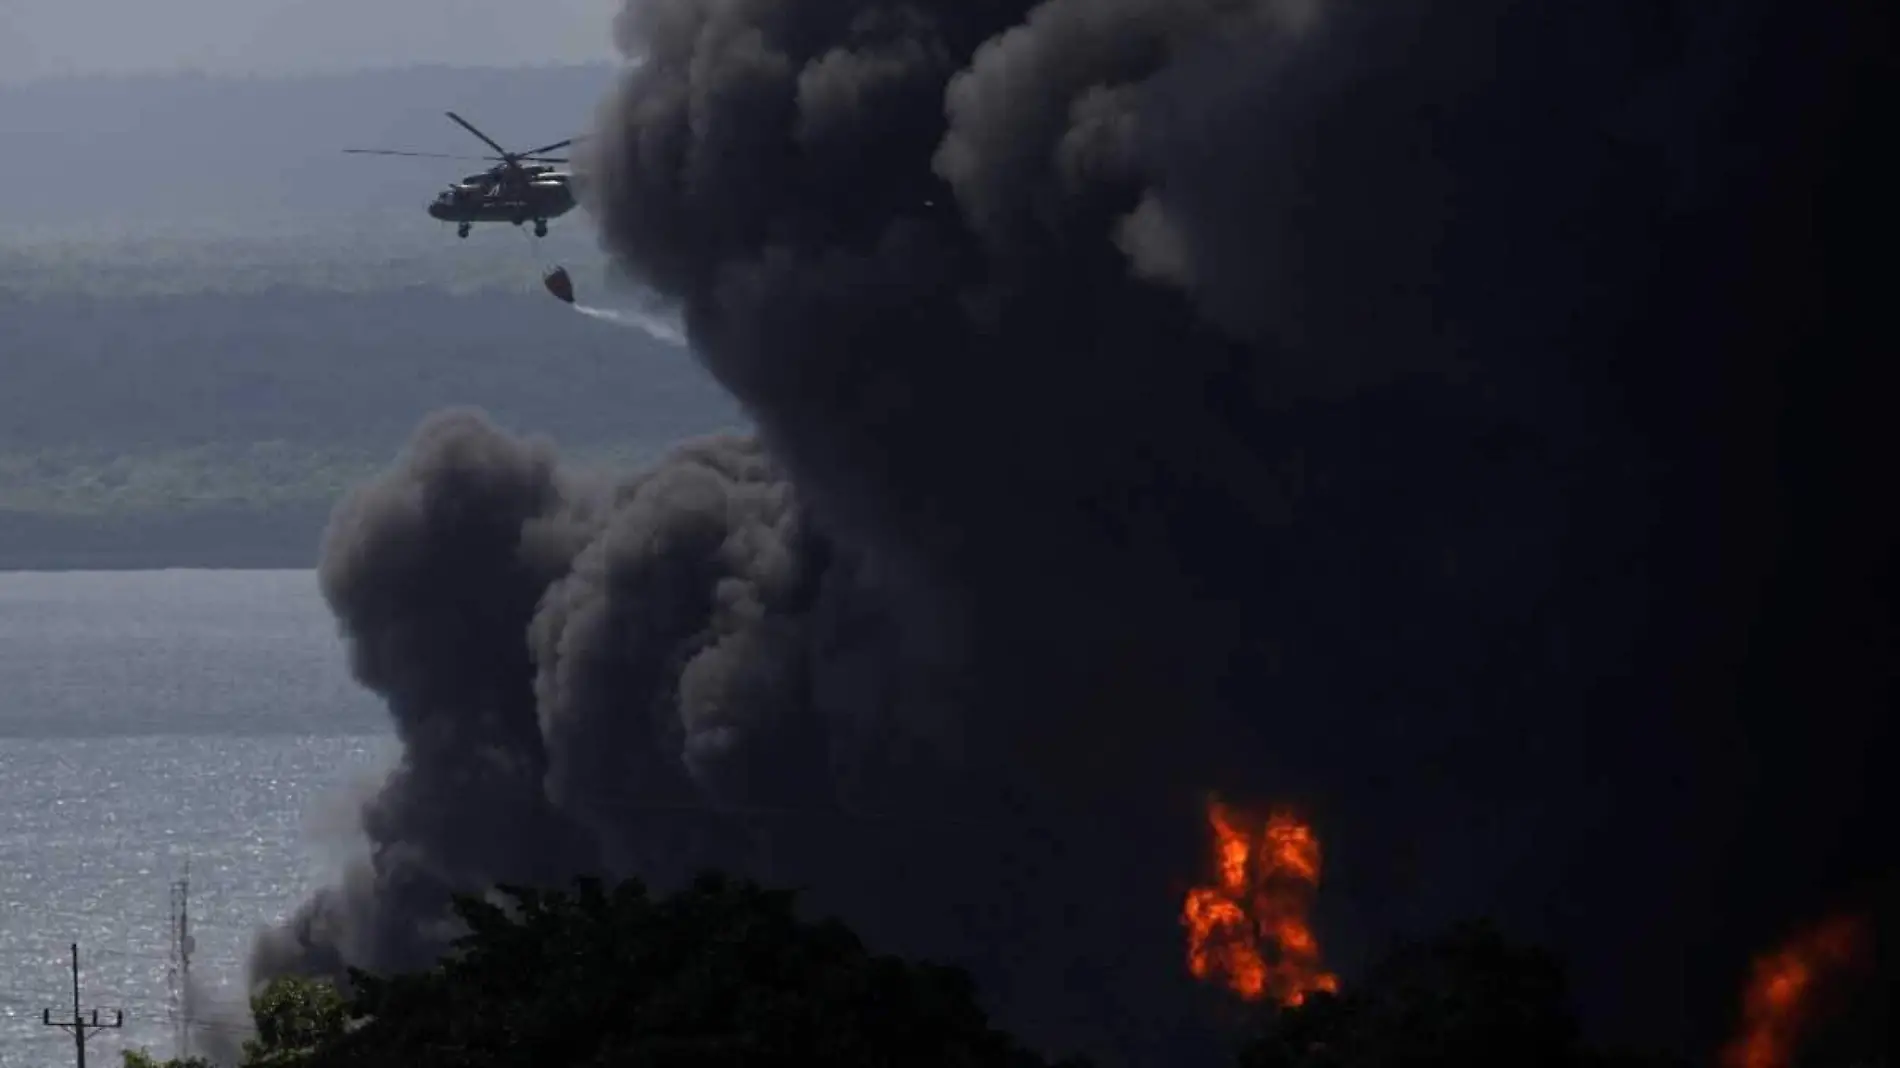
(722,973)
(1468,998)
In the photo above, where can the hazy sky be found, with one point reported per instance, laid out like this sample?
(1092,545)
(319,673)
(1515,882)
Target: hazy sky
(42,37)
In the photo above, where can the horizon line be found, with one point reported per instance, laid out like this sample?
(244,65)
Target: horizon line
(303,74)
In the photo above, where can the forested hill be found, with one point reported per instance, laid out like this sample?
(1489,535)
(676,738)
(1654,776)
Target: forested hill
(212,322)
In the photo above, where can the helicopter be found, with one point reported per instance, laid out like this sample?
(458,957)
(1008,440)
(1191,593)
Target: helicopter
(523,186)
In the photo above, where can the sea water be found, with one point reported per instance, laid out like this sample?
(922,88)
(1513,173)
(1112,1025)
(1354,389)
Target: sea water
(150,721)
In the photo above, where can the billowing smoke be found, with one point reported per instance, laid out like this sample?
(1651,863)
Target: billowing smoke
(650,677)
(222,1043)
(1316,400)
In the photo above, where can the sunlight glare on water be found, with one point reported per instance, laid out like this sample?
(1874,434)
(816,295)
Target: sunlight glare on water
(147,718)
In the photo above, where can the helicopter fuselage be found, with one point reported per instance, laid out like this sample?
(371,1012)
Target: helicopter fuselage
(542,197)
(522,188)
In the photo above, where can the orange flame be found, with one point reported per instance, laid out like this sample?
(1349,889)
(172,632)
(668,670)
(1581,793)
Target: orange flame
(1780,992)
(1248,930)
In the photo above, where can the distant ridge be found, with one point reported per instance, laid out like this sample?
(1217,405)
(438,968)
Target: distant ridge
(218,430)
(215,321)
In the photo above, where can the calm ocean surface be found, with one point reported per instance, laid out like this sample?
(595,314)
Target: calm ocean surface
(147,718)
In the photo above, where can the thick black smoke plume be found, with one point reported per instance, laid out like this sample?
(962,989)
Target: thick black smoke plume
(1370,404)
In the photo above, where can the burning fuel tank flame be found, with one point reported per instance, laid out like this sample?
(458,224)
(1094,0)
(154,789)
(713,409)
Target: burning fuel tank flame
(1248,930)
(1781,993)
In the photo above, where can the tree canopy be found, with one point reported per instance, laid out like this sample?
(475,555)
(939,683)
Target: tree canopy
(292,1016)
(725,973)
(722,973)
(1467,997)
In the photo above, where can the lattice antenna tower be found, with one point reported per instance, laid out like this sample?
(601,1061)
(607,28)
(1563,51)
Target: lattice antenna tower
(178,977)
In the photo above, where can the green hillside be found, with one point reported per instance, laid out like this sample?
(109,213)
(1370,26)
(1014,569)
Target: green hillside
(195,363)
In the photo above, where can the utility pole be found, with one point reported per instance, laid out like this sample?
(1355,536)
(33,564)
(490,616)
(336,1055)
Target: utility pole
(80,1027)
(180,973)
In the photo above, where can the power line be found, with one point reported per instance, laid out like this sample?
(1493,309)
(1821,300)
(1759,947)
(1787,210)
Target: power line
(80,1028)
(46,953)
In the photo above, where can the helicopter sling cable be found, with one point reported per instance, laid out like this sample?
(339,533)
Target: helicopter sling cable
(554,277)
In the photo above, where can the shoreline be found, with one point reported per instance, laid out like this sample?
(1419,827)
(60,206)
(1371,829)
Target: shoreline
(210,540)
(73,565)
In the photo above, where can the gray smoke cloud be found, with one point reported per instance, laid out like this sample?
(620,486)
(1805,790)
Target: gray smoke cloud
(1300,400)
(228,1012)
(487,599)
(650,677)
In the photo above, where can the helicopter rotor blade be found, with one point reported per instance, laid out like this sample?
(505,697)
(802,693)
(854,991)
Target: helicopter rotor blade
(396,152)
(547,148)
(487,140)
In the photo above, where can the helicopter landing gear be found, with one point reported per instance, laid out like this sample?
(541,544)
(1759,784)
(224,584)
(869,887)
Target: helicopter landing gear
(540,228)
(462,230)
